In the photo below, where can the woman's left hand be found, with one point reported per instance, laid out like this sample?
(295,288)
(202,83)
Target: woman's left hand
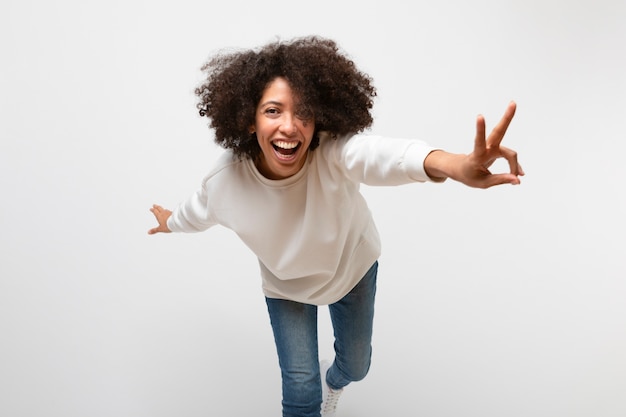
(473,169)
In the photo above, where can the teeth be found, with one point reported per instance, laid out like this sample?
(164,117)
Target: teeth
(284,144)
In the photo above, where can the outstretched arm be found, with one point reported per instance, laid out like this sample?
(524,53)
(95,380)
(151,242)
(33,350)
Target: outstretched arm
(161,215)
(473,169)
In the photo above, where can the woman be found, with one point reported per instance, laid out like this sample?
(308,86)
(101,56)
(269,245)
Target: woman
(291,116)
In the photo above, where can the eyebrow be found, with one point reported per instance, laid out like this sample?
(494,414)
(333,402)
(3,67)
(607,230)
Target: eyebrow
(274,102)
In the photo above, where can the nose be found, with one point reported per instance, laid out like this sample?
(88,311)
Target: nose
(289,125)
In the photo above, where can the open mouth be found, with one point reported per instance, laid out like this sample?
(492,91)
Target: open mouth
(285,149)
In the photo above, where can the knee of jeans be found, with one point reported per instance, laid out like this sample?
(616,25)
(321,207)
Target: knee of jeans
(357,371)
(361,374)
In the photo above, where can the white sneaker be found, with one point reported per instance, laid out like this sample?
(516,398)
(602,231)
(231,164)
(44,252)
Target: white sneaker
(329,396)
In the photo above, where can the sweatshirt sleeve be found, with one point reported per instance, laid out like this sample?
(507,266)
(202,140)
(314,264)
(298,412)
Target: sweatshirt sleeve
(376,160)
(196,213)
(193,214)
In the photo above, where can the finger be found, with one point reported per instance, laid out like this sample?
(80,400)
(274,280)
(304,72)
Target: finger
(157,211)
(480,146)
(497,134)
(499,179)
(511,157)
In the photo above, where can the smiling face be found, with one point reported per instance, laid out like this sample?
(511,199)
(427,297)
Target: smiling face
(284,137)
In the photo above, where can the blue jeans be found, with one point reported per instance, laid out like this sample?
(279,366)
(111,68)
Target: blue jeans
(295,333)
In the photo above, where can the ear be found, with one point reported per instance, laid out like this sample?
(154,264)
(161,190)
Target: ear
(252,129)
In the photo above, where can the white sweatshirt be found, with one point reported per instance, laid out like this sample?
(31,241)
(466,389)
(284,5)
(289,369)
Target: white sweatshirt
(313,233)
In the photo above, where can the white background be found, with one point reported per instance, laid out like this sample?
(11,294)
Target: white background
(501,302)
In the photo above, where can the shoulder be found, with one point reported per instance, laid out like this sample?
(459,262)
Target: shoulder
(340,147)
(332,146)
(224,163)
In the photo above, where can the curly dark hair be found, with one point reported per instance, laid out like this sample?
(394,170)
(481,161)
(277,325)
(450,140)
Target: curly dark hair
(327,83)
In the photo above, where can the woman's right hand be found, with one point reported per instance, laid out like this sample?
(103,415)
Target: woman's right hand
(161,215)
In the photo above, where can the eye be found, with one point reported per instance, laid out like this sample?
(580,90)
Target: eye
(305,118)
(305,114)
(271,111)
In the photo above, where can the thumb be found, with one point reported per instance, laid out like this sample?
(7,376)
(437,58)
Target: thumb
(500,179)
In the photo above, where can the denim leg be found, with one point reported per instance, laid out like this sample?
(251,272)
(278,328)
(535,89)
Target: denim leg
(352,319)
(295,333)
